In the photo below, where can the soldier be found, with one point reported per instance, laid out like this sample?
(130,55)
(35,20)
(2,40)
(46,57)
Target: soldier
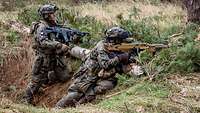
(97,74)
(50,63)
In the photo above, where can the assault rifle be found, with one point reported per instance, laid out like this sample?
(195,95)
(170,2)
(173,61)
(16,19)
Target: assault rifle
(127,47)
(66,35)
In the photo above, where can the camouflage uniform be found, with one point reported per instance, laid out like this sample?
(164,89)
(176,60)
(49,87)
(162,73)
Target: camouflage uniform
(50,63)
(86,82)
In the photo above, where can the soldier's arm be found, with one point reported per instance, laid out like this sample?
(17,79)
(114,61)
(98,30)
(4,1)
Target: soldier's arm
(45,41)
(104,60)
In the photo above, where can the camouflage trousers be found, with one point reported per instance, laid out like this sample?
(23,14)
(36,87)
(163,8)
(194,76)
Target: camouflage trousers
(45,70)
(82,91)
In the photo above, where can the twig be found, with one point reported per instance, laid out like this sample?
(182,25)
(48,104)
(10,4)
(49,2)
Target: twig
(126,107)
(153,75)
(114,94)
(157,29)
(175,35)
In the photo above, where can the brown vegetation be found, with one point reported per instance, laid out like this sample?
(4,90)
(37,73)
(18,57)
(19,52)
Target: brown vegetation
(15,66)
(193,10)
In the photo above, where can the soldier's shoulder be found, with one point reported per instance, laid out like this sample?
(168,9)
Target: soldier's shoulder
(42,24)
(96,49)
(34,27)
(100,45)
(37,25)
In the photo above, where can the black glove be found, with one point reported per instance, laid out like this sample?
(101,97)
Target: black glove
(123,57)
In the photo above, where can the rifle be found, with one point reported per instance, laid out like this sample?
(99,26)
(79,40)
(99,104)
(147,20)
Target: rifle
(133,49)
(127,47)
(66,35)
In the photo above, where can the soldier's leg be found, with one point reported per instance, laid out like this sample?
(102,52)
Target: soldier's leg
(78,90)
(39,77)
(62,74)
(101,87)
(61,71)
(32,89)
(69,100)
(104,85)
(88,96)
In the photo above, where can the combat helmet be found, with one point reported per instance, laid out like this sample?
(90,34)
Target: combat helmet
(47,9)
(116,35)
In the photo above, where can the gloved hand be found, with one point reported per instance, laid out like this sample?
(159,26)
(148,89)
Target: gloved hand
(136,70)
(123,57)
(63,49)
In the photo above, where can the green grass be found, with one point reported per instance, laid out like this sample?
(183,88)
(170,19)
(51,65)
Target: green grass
(6,106)
(20,108)
(13,37)
(146,94)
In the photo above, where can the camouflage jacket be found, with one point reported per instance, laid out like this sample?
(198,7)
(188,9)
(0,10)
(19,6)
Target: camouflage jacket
(97,60)
(87,75)
(43,42)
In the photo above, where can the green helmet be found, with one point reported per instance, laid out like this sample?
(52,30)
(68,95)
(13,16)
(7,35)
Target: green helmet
(47,9)
(116,34)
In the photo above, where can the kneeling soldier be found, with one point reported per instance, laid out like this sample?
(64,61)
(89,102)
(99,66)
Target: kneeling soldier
(97,74)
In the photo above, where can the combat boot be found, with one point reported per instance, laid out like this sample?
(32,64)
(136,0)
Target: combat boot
(86,99)
(69,100)
(28,98)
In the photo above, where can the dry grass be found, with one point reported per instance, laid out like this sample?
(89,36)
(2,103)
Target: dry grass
(107,12)
(8,15)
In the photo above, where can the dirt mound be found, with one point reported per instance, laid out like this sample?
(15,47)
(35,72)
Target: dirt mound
(15,68)
(51,95)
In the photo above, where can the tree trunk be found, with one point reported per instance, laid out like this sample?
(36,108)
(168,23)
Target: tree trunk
(193,10)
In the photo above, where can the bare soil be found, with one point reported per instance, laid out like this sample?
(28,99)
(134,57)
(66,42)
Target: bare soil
(15,69)
(51,94)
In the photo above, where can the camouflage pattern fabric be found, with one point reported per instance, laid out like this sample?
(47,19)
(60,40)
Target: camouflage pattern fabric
(86,82)
(48,65)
